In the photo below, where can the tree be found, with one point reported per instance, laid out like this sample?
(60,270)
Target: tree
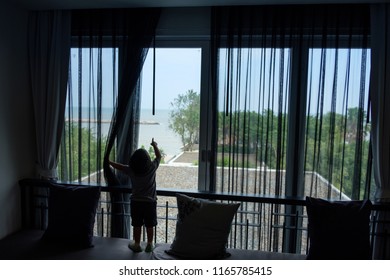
(81,153)
(246,133)
(339,152)
(153,155)
(184,118)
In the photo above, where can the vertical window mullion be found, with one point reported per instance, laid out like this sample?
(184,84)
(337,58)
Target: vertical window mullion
(296,121)
(206,172)
(294,184)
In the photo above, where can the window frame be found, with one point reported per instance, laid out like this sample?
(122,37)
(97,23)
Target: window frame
(203,43)
(297,101)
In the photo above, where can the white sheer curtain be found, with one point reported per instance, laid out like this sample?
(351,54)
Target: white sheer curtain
(380,98)
(49,48)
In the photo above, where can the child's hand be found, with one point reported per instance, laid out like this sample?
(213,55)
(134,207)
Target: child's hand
(153,143)
(156,150)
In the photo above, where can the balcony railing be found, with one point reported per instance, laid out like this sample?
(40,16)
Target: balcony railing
(275,224)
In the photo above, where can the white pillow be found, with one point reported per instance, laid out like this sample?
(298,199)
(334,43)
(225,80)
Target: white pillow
(202,228)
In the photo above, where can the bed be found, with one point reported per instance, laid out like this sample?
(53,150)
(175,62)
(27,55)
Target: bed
(68,231)
(202,229)
(28,245)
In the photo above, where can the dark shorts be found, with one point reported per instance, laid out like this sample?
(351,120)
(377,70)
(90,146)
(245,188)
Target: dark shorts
(143,213)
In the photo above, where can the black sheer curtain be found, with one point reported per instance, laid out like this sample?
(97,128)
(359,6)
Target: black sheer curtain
(124,131)
(291,111)
(282,78)
(127,34)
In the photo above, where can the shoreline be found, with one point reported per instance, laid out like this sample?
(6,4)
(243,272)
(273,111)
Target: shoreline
(108,121)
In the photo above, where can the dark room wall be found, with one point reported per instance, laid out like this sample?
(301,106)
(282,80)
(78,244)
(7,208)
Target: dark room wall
(17,146)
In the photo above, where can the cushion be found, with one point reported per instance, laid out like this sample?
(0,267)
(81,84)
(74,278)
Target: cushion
(202,228)
(72,213)
(338,229)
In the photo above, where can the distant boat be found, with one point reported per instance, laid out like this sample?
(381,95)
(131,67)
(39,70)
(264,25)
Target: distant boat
(148,122)
(108,121)
(87,121)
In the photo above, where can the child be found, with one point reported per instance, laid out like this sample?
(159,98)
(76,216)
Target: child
(142,172)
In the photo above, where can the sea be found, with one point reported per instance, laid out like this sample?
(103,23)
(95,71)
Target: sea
(151,126)
(157,126)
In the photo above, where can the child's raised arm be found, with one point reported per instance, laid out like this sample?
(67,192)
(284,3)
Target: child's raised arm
(118,166)
(156,150)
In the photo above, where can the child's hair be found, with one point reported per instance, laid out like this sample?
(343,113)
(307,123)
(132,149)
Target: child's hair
(140,161)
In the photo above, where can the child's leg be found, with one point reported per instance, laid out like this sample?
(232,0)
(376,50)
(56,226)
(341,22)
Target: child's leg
(136,246)
(136,222)
(137,235)
(150,234)
(150,223)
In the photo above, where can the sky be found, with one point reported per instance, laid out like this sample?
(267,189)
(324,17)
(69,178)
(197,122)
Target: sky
(178,70)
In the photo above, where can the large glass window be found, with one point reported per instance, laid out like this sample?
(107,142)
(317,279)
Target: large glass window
(337,127)
(253,118)
(171,114)
(252,130)
(253,94)
(92,91)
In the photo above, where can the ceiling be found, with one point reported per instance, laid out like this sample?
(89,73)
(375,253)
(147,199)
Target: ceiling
(81,4)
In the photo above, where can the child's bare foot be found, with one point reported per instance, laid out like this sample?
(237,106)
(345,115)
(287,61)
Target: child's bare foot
(149,248)
(136,248)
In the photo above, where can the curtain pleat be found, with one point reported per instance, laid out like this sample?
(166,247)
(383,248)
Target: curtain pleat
(379,87)
(380,134)
(49,46)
